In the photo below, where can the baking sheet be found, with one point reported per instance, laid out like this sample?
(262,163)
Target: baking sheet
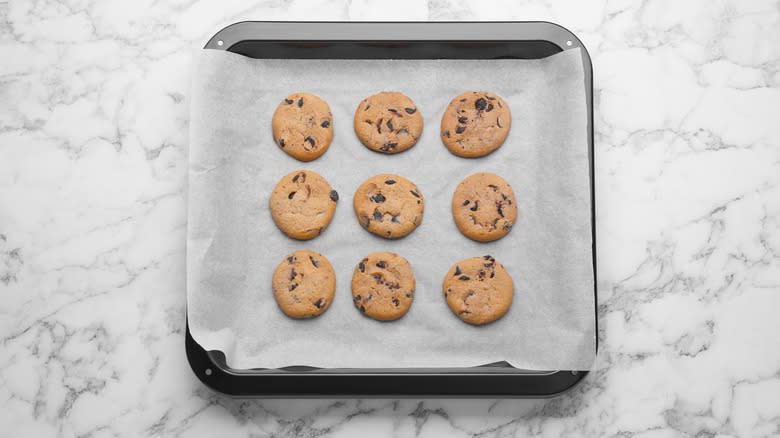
(233,245)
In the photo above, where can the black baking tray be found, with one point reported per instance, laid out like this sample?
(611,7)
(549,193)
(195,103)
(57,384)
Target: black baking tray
(398,40)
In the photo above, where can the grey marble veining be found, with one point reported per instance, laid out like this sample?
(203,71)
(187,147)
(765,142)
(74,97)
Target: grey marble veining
(93,135)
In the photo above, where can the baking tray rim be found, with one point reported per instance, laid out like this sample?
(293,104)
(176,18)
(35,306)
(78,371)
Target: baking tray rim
(210,366)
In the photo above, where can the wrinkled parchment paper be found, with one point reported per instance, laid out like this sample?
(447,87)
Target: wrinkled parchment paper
(233,245)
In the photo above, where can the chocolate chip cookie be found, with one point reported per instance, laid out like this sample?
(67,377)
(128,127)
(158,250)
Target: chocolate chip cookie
(389,206)
(304,284)
(383,286)
(484,207)
(303,126)
(388,122)
(302,204)
(475,124)
(478,290)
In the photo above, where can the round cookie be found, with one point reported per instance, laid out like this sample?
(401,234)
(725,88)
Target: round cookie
(475,124)
(388,122)
(484,207)
(304,284)
(383,286)
(389,206)
(478,290)
(302,204)
(303,126)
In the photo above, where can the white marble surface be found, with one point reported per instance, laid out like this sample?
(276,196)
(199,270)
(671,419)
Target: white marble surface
(93,135)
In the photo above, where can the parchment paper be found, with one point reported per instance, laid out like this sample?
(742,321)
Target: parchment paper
(233,245)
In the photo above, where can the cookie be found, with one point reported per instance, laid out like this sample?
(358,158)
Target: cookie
(478,290)
(389,206)
(388,122)
(484,207)
(304,284)
(475,124)
(383,286)
(303,126)
(302,204)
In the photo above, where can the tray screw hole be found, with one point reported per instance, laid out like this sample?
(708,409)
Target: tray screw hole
(568,43)
(208,371)
(220,43)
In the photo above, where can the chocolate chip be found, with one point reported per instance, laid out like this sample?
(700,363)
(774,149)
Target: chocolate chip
(475,207)
(492,274)
(489,108)
(389,182)
(319,303)
(493,186)
(393,110)
(395,220)
(292,286)
(464,278)
(301,176)
(281,142)
(377,215)
(378,198)
(291,259)
(466,202)
(463,100)
(362,266)
(310,140)
(463,119)
(460,129)
(457,271)
(325,123)
(381,264)
(489,257)
(300,102)
(414,193)
(293,274)
(334,195)
(357,298)
(447,133)
(390,125)
(480,104)
(396,302)
(378,279)
(498,122)
(368,105)
(410,110)
(314,262)
(363,309)
(500,209)
(379,126)
(288,101)
(290,196)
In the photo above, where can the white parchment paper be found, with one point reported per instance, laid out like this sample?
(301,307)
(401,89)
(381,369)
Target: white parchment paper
(233,245)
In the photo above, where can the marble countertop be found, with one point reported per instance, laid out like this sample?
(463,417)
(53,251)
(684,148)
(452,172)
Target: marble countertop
(93,140)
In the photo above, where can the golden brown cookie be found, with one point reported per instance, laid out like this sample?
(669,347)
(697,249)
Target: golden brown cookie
(388,122)
(302,204)
(478,290)
(303,126)
(304,284)
(475,124)
(383,286)
(389,206)
(484,207)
